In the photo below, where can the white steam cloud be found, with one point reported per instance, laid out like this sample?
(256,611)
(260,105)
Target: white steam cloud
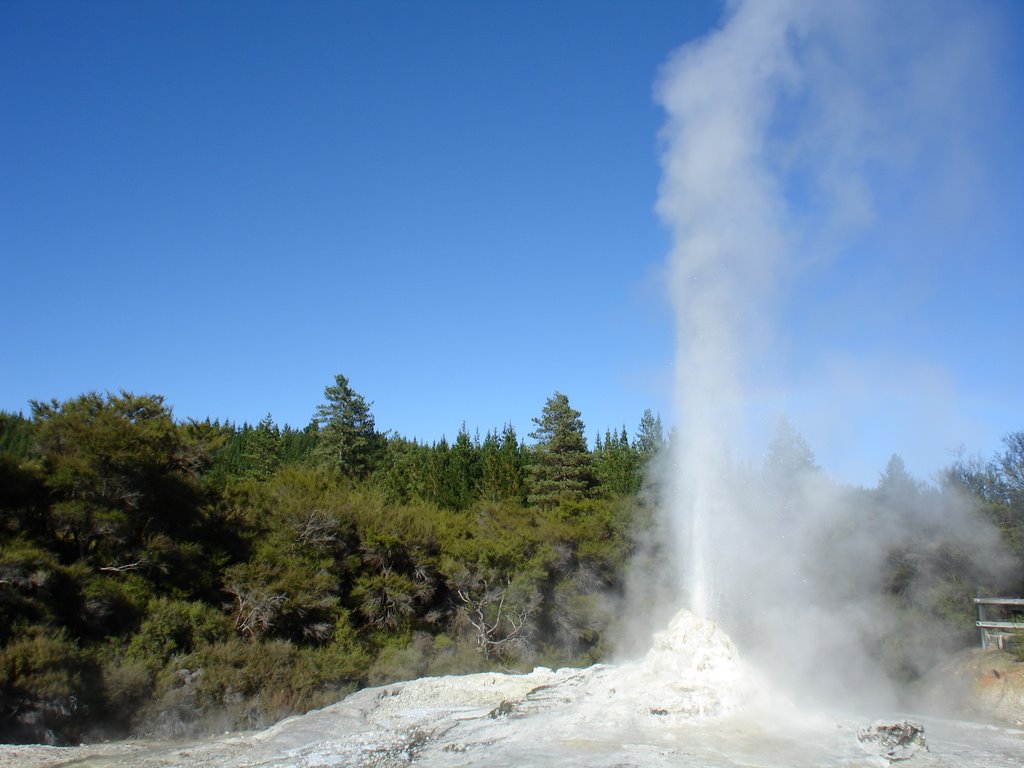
(799,135)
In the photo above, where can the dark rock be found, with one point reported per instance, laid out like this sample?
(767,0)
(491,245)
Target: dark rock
(502,710)
(895,741)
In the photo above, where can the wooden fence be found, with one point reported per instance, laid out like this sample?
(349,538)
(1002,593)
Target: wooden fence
(1001,621)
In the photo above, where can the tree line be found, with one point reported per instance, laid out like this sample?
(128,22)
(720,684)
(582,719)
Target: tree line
(342,437)
(162,576)
(170,577)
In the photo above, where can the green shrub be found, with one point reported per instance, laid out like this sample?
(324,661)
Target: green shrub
(176,628)
(113,605)
(245,684)
(455,657)
(127,688)
(406,662)
(50,685)
(344,660)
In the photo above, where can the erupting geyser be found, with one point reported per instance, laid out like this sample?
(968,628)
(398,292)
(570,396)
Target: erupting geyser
(769,154)
(791,132)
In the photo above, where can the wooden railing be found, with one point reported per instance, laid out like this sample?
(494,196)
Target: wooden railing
(1010,626)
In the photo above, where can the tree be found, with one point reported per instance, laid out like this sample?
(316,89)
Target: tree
(896,482)
(510,465)
(462,474)
(617,464)
(261,449)
(997,485)
(499,613)
(14,434)
(501,470)
(788,466)
(789,456)
(562,468)
(1009,468)
(453,471)
(650,437)
(403,469)
(348,439)
(122,480)
(296,444)
(1007,499)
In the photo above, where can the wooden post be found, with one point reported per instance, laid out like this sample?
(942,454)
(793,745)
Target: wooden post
(996,632)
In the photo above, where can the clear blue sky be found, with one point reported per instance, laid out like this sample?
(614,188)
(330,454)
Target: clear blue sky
(452,203)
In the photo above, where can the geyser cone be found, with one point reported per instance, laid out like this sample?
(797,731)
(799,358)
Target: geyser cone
(696,668)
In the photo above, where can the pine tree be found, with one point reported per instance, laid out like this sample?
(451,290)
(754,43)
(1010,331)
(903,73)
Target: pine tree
(261,449)
(562,469)
(460,474)
(348,439)
(649,435)
(501,466)
(490,464)
(296,444)
(617,465)
(511,465)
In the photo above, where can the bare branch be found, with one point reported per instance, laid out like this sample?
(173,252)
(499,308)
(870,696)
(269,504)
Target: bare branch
(256,609)
(496,626)
(318,529)
(122,568)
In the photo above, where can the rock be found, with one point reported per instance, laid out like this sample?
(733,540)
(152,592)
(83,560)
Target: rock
(895,741)
(502,710)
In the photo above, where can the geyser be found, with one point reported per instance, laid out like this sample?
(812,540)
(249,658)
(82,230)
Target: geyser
(775,144)
(792,131)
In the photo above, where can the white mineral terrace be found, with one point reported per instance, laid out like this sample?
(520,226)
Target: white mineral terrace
(690,702)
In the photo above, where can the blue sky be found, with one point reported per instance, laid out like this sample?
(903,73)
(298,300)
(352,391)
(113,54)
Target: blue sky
(451,203)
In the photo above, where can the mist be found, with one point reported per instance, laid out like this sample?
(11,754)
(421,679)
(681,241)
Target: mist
(802,142)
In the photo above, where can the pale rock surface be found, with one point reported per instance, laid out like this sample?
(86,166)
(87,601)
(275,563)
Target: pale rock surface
(690,702)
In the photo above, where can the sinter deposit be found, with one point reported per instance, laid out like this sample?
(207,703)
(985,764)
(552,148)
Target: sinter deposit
(690,702)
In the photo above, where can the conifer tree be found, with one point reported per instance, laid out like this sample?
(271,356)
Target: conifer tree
(490,464)
(562,469)
(511,465)
(261,449)
(348,439)
(501,466)
(463,471)
(649,436)
(617,464)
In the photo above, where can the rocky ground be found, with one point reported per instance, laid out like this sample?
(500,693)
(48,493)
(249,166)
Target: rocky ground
(690,702)
(977,684)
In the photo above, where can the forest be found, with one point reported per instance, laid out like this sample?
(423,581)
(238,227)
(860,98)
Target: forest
(169,578)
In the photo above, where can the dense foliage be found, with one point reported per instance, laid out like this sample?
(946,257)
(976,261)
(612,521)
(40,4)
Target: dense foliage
(164,577)
(172,577)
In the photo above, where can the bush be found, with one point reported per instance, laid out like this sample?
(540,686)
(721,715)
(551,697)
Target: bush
(50,687)
(221,686)
(127,687)
(396,662)
(33,589)
(113,605)
(246,684)
(176,628)
(456,657)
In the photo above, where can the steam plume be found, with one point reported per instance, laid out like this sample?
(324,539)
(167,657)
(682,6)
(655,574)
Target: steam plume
(793,131)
